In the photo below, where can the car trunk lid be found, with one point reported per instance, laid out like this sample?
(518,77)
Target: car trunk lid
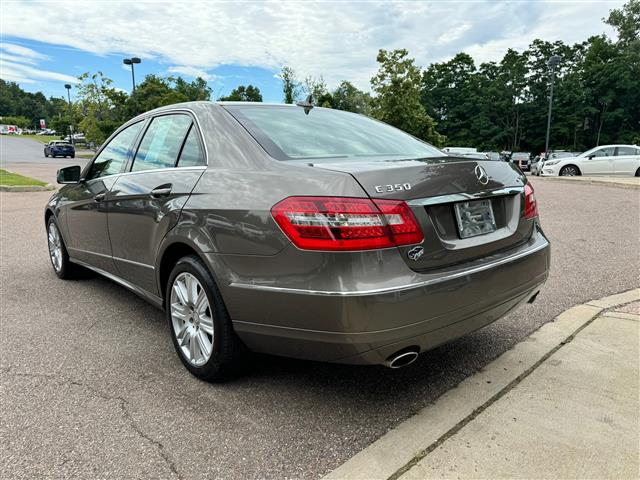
(432,187)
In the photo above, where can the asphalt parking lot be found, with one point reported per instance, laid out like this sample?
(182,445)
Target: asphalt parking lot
(90,385)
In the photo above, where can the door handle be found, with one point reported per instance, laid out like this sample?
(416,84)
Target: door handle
(99,197)
(161,191)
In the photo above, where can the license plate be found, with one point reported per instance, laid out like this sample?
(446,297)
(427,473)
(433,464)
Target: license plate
(475,218)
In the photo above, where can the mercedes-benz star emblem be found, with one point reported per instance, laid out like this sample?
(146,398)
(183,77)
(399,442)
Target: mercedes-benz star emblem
(481,173)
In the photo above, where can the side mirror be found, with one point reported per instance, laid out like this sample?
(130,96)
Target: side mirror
(593,155)
(69,174)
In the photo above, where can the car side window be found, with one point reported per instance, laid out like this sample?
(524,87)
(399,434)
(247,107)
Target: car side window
(623,151)
(604,152)
(113,157)
(192,154)
(161,143)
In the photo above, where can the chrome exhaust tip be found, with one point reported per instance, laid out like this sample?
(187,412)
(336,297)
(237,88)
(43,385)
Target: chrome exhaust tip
(399,360)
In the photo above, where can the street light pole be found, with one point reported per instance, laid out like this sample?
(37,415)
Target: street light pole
(553,62)
(131,61)
(68,87)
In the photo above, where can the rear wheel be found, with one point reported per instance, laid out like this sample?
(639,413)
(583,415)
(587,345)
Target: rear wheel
(638,172)
(62,266)
(569,171)
(200,326)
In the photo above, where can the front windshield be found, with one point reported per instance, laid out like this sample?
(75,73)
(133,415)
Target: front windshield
(287,133)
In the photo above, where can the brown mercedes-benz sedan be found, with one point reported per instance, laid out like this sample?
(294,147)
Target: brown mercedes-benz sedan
(299,231)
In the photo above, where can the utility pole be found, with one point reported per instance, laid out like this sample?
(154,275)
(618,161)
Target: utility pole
(553,62)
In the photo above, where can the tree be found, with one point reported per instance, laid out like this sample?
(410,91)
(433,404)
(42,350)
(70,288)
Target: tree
(397,86)
(290,85)
(626,21)
(19,121)
(348,98)
(450,90)
(243,94)
(317,88)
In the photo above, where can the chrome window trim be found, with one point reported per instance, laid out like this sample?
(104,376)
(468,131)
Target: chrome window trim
(115,175)
(464,197)
(379,291)
(144,118)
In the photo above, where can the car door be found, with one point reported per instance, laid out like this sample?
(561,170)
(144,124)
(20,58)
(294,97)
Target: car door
(598,162)
(147,200)
(86,210)
(626,161)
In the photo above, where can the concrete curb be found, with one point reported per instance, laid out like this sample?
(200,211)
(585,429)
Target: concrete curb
(401,448)
(631,185)
(27,188)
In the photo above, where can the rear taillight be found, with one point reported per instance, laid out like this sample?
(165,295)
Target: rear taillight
(530,202)
(330,223)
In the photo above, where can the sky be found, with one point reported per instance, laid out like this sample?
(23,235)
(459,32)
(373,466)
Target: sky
(45,44)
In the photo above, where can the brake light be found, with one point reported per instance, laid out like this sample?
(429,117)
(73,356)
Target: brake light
(530,202)
(335,223)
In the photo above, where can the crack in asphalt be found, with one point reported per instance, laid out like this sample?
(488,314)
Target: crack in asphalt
(122,404)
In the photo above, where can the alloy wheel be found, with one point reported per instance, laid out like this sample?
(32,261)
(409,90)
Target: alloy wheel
(55,247)
(569,171)
(191,319)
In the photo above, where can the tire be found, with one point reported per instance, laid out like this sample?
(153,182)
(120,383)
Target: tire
(73,156)
(638,172)
(569,171)
(190,326)
(62,266)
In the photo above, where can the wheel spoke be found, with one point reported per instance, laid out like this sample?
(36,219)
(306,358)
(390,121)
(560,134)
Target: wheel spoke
(203,344)
(206,324)
(192,289)
(193,348)
(201,302)
(179,311)
(183,336)
(181,292)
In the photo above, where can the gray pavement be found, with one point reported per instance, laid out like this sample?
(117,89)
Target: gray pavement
(14,149)
(575,416)
(90,384)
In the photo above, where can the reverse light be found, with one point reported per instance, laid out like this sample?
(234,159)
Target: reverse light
(345,223)
(530,202)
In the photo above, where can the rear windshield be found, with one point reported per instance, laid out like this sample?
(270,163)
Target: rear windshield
(287,133)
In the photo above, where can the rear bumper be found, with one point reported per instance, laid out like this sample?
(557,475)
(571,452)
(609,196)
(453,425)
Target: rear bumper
(365,325)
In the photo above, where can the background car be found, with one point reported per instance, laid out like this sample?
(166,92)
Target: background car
(613,160)
(59,148)
(476,155)
(494,156)
(538,162)
(522,159)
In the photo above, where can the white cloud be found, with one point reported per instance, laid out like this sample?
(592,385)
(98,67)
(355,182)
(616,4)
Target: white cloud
(338,40)
(16,72)
(23,52)
(193,72)
(19,64)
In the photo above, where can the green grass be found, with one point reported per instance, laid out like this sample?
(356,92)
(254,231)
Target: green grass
(13,179)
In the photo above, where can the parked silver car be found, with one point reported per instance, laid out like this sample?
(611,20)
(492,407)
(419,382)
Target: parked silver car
(299,231)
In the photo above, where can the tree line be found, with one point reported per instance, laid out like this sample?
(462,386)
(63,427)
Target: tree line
(492,106)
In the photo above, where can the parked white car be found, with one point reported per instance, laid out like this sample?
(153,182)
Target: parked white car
(613,160)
